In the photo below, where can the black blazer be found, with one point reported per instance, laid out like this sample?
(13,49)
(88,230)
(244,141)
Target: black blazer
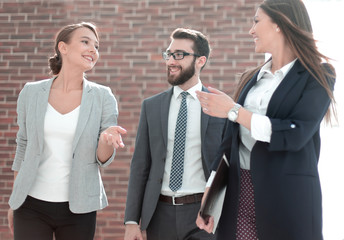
(284,171)
(148,162)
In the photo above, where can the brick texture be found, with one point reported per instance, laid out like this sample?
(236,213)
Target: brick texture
(133,35)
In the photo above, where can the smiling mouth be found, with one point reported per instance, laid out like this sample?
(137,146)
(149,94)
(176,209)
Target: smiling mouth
(88,58)
(173,69)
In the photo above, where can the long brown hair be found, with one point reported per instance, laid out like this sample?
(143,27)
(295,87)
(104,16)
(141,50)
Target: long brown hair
(292,18)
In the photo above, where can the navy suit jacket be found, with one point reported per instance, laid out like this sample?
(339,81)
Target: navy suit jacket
(284,172)
(148,162)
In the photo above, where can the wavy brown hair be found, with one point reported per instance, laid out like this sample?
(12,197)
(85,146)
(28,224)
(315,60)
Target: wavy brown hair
(292,18)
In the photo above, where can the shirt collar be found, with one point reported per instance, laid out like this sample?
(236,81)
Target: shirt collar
(267,69)
(192,91)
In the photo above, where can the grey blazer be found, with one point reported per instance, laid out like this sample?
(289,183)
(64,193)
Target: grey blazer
(148,162)
(98,111)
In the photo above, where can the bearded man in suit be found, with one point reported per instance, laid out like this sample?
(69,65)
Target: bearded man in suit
(173,157)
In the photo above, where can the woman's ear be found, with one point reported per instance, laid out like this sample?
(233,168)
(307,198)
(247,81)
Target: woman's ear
(62,46)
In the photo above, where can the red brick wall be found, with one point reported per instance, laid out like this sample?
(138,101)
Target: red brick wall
(133,35)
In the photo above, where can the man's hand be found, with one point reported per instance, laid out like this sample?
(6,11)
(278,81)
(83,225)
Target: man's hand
(207,225)
(132,232)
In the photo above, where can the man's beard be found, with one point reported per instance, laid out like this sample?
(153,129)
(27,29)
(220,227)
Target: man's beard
(183,77)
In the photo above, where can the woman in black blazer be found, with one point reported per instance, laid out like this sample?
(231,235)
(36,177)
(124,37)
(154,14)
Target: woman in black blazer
(273,143)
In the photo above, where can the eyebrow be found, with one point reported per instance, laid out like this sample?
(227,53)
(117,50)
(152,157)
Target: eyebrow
(177,50)
(90,39)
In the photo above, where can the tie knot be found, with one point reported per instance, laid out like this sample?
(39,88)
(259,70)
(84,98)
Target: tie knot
(184,94)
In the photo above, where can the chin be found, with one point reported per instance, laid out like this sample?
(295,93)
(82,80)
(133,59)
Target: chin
(258,50)
(172,81)
(89,68)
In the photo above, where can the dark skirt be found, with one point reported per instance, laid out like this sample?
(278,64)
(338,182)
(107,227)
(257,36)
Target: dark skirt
(246,221)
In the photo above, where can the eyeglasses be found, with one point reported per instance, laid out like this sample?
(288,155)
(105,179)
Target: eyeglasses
(177,55)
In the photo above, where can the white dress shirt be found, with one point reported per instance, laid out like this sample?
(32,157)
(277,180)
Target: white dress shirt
(193,177)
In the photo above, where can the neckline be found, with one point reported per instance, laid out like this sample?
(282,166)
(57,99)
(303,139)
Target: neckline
(64,114)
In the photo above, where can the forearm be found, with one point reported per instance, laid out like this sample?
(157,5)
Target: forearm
(244,118)
(104,151)
(109,140)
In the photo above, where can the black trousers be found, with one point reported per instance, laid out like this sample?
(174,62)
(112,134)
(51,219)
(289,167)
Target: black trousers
(40,220)
(176,223)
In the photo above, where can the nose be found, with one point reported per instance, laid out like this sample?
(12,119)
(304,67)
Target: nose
(251,32)
(93,49)
(171,60)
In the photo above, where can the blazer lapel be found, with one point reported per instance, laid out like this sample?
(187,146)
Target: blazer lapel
(85,111)
(164,109)
(41,108)
(242,97)
(204,120)
(247,88)
(292,77)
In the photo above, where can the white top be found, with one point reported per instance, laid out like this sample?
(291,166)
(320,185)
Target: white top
(52,178)
(193,177)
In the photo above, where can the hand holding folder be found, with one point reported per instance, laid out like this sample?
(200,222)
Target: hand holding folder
(213,202)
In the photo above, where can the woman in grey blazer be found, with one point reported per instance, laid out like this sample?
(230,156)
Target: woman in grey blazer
(67,129)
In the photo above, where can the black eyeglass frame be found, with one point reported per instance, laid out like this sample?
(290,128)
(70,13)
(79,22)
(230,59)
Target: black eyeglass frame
(167,55)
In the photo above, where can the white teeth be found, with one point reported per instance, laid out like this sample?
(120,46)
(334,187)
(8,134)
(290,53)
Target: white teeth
(173,69)
(89,58)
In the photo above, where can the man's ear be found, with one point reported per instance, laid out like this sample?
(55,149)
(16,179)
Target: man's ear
(201,61)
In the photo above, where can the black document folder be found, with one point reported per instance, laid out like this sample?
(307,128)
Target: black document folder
(213,203)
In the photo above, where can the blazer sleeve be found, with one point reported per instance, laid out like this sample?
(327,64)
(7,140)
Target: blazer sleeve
(301,120)
(139,170)
(108,118)
(21,138)
(226,145)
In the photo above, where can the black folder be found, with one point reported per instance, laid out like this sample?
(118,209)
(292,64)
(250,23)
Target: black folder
(213,203)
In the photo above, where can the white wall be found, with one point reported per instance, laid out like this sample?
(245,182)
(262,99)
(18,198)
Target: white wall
(327,18)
